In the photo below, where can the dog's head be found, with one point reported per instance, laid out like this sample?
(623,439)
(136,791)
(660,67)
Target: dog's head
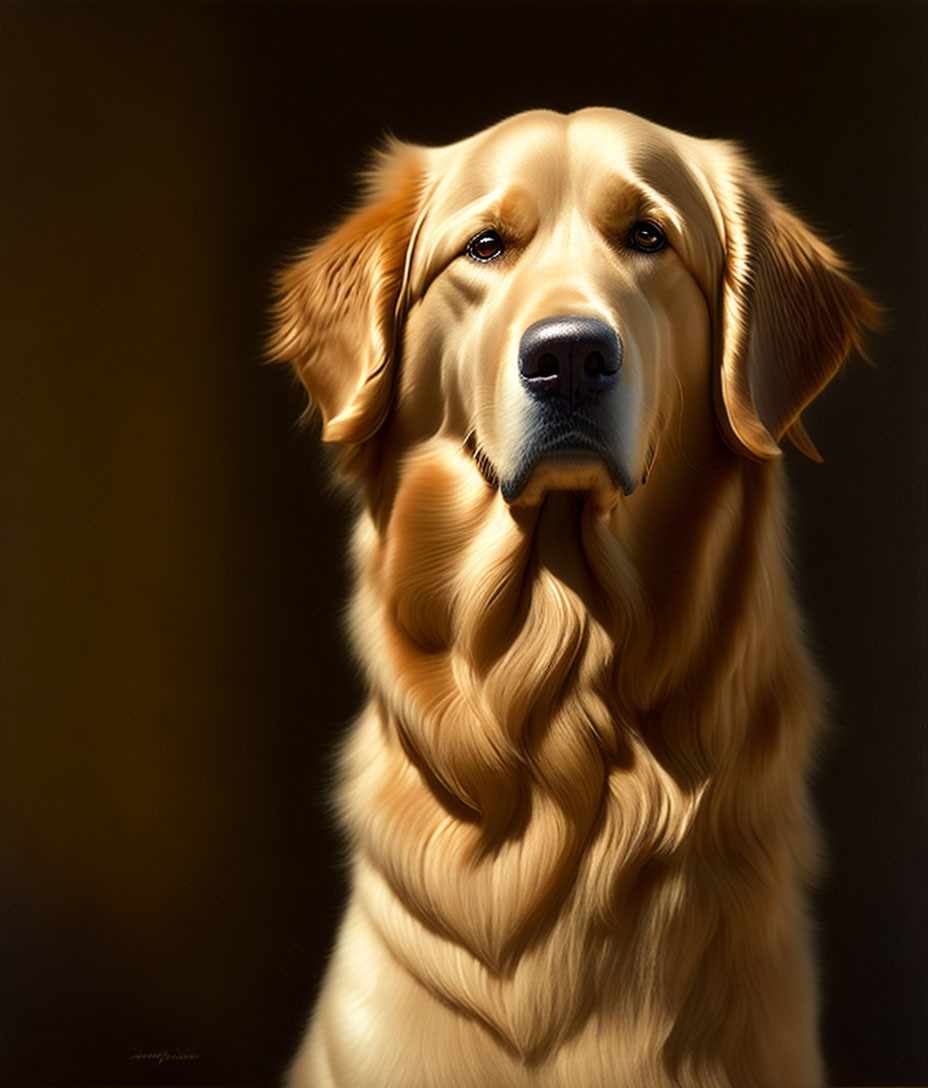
(559,293)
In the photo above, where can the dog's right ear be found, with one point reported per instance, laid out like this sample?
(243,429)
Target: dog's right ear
(338,305)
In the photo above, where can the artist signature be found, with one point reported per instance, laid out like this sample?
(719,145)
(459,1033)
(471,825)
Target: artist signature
(175,1054)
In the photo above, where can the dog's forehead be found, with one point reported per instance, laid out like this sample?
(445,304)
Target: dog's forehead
(548,149)
(527,165)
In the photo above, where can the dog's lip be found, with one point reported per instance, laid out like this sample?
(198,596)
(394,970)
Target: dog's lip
(575,462)
(552,464)
(579,470)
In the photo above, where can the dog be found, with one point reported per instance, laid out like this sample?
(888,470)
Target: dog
(556,362)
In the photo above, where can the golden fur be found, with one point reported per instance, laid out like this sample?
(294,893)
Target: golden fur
(576,800)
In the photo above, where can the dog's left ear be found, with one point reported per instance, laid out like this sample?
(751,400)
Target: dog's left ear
(337,314)
(790,317)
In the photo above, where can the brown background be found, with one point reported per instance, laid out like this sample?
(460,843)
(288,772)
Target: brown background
(173,674)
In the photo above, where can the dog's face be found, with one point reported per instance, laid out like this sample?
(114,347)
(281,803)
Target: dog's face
(555,311)
(559,294)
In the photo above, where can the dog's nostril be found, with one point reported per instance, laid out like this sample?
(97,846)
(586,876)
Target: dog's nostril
(598,364)
(547,365)
(595,363)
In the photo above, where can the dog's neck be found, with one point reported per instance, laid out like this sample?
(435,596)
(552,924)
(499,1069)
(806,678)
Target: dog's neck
(493,616)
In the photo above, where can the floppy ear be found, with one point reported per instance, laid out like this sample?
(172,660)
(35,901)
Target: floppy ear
(790,317)
(337,313)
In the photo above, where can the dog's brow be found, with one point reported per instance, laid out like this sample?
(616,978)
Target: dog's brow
(511,207)
(517,211)
(620,200)
(446,230)
(617,201)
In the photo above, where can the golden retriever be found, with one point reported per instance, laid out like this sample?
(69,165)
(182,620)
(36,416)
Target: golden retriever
(557,360)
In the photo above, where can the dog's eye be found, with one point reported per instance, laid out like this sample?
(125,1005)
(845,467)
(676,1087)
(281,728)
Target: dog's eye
(647,237)
(486,246)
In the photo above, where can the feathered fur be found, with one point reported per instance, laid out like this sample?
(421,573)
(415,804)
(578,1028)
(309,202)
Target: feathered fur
(576,800)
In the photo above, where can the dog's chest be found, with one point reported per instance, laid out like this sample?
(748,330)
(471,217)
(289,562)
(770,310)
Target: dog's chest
(529,938)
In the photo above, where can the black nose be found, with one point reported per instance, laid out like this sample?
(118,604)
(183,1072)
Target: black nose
(569,357)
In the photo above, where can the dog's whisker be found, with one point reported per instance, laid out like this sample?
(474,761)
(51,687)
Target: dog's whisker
(482,461)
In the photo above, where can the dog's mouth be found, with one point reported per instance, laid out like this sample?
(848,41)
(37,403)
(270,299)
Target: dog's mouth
(570,461)
(573,470)
(565,459)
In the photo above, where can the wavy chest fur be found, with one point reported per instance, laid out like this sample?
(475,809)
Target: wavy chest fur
(552,823)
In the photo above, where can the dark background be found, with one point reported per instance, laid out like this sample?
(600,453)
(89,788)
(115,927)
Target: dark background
(173,673)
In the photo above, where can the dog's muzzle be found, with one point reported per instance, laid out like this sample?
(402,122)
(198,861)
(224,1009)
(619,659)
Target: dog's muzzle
(570,367)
